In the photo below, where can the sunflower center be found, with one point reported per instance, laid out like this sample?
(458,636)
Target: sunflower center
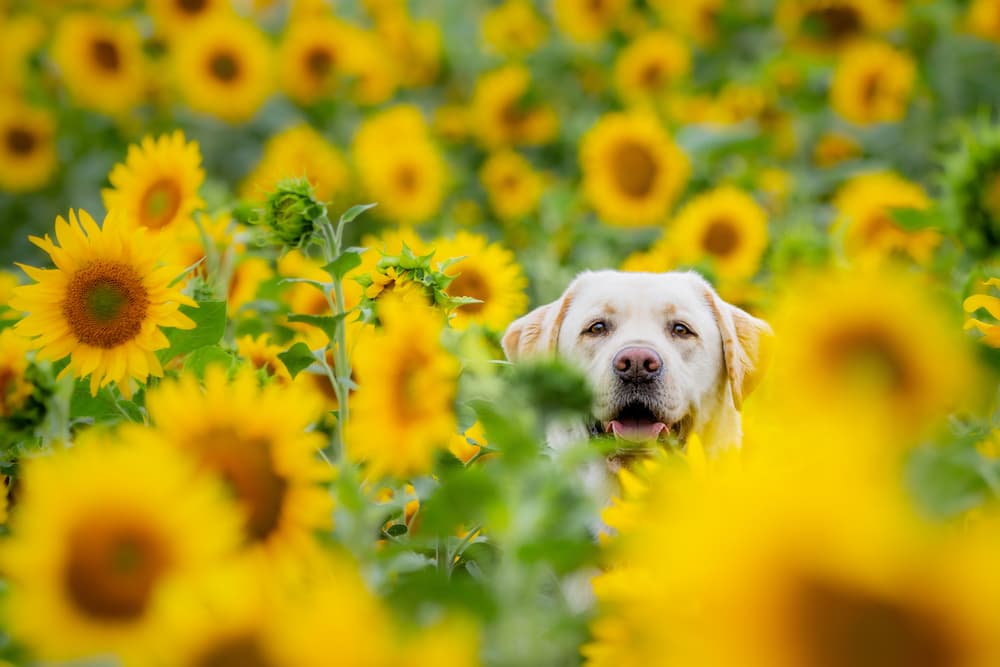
(652,76)
(106,304)
(106,55)
(470,282)
(841,626)
(20,141)
(409,403)
(407,179)
(634,169)
(721,238)
(871,87)
(112,568)
(833,24)
(224,66)
(192,7)
(160,203)
(869,358)
(238,651)
(319,62)
(245,464)
(8,387)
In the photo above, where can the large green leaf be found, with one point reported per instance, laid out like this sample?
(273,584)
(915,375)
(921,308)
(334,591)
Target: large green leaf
(210,323)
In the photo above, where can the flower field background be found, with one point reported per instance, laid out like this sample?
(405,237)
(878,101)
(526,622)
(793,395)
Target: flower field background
(259,256)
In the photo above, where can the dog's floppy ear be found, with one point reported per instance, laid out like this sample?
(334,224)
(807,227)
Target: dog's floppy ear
(746,345)
(537,332)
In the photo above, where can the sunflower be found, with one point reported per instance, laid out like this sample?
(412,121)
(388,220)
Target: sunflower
(222,66)
(650,65)
(872,83)
(725,226)
(586,21)
(465,446)
(28,146)
(982,19)
(104,303)
(100,531)
(261,353)
(256,440)
(489,273)
(991,305)
(314,56)
(632,171)
(298,151)
(375,77)
(864,216)
(972,190)
(157,185)
(21,37)
(415,48)
(513,186)
(246,279)
(401,413)
(825,26)
(173,18)
(513,28)
(15,388)
(101,62)
(502,116)
(834,148)
(659,257)
(696,19)
(399,165)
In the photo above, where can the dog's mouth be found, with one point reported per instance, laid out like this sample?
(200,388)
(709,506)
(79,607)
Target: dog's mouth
(636,427)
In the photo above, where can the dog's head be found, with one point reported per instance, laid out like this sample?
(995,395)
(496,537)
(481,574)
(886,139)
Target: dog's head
(663,352)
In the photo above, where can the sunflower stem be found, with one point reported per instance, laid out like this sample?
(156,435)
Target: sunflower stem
(332,248)
(211,257)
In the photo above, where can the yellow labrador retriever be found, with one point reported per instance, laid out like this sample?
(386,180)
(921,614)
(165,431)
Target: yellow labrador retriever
(664,354)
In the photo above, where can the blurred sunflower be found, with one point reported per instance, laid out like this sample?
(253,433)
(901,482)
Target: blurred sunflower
(659,257)
(834,148)
(101,62)
(991,305)
(513,28)
(157,185)
(401,412)
(21,37)
(972,189)
(247,276)
(104,304)
(173,18)
(99,533)
(374,76)
(586,21)
(15,388)
(256,440)
(503,111)
(982,19)
(415,48)
(399,165)
(261,353)
(725,226)
(28,146)
(467,445)
(650,65)
(513,186)
(864,207)
(298,151)
(696,19)
(222,66)
(829,25)
(489,273)
(632,170)
(314,56)
(873,83)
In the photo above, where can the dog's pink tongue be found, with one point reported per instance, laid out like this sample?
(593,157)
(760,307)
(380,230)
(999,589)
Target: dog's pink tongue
(634,430)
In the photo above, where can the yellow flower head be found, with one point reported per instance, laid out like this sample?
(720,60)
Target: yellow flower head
(983,19)
(256,440)
(724,226)
(27,146)
(864,206)
(414,47)
(834,148)
(104,304)
(872,83)
(247,277)
(632,170)
(100,532)
(825,26)
(14,385)
(315,55)
(175,17)
(513,28)
(21,35)
(501,114)
(513,186)
(157,185)
(401,413)
(650,65)
(222,66)
(991,305)
(489,273)
(695,19)
(587,22)
(101,62)
(262,353)
(298,151)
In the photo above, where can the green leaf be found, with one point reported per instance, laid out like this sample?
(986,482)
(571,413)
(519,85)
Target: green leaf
(461,499)
(210,323)
(947,481)
(913,220)
(101,407)
(342,265)
(328,323)
(202,358)
(396,529)
(354,212)
(297,358)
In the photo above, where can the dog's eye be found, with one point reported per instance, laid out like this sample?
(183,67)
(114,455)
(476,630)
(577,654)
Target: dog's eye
(681,330)
(597,328)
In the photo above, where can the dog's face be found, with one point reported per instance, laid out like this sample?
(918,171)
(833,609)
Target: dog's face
(664,354)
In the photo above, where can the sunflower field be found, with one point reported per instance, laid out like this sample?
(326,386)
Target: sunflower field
(257,258)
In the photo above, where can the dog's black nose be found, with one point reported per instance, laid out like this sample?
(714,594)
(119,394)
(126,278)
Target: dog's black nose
(637,364)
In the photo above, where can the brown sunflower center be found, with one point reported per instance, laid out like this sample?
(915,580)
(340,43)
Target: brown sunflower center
(105,304)
(652,76)
(113,567)
(246,465)
(866,357)
(192,7)
(224,66)
(833,24)
(8,387)
(20,141)
(237,651)
(871,88)
(470,282)
(407,179)
(106,55)
(160,203)
(319,61)
(634,169)
(721,238)
(408,404)
(839,625)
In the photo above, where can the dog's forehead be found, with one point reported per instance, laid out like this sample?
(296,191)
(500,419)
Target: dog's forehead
(629,294)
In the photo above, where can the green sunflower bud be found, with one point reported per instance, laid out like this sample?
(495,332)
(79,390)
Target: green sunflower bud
(291,211)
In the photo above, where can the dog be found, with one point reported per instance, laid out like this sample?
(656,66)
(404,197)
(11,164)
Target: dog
(664,354)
